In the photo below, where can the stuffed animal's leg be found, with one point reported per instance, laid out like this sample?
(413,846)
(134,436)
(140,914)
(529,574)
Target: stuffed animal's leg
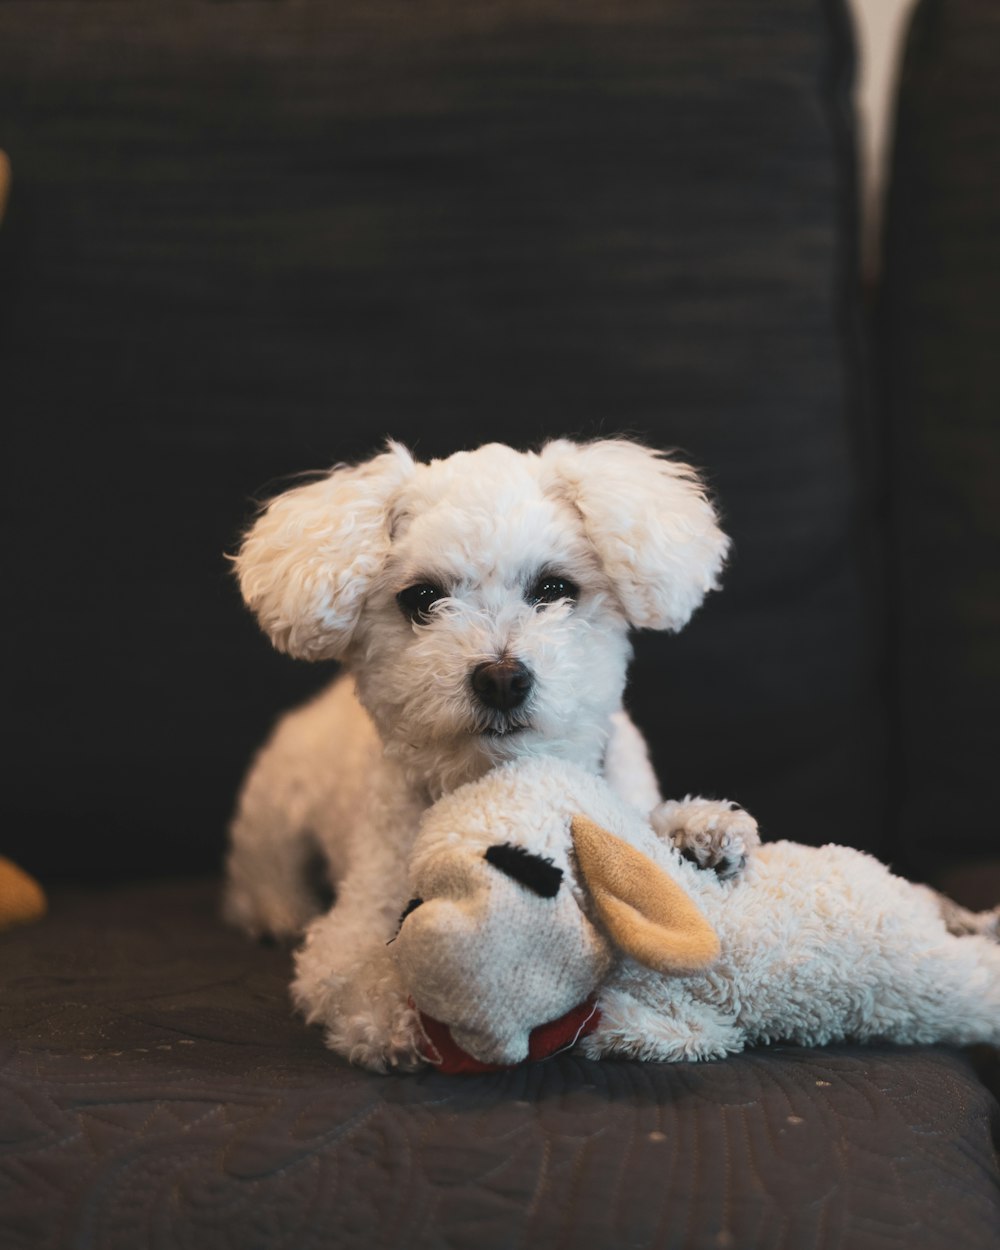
(676,1029)
(964,923)
(713,833)
(958,1001)
(297,810)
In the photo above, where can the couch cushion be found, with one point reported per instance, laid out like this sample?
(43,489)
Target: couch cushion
(940,327)
(248,239)
(156,1091)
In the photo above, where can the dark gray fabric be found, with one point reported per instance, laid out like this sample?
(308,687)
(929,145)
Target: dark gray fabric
(155,1091)
(940,327)
(252,238)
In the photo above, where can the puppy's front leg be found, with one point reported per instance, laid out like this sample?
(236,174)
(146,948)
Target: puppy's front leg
(362,1005)
(713,833)
(627,769)
(345,979)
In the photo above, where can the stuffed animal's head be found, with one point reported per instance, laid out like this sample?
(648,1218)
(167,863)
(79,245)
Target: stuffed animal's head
(483,601)
(523,903)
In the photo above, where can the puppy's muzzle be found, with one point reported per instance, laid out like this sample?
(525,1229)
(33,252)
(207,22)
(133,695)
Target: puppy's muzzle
(502,684)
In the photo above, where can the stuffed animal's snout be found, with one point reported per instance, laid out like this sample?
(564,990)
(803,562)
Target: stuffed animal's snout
(501,944)
(477,954)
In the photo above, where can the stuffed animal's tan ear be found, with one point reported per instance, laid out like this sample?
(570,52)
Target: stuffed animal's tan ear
(645,912)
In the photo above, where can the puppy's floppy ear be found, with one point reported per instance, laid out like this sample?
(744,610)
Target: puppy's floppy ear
(307,563)
(643,909)
(648,518)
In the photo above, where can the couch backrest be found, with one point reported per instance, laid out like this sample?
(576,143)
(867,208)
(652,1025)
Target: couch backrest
(939,333)
(246,240)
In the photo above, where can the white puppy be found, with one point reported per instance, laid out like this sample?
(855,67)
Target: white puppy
(481,606)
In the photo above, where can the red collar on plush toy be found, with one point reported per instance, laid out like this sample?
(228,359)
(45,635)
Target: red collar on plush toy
(441,1049)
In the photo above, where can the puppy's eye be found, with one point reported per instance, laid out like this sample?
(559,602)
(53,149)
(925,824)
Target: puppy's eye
(415,601)
(550,588)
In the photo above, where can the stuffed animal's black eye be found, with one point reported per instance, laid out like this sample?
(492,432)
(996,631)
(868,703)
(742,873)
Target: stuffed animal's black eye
(415,601)
(538,874)
(412,905)
(550,588)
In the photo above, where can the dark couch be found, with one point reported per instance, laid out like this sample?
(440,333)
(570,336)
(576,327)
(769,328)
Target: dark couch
(256,236)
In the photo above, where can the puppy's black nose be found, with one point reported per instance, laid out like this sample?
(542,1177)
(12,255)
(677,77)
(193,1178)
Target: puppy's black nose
(503,684)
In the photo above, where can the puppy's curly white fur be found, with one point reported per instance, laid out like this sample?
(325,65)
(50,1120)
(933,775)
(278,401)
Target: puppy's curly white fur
(481,606)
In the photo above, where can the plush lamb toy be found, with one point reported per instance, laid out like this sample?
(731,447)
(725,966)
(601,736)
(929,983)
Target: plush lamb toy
(537,889)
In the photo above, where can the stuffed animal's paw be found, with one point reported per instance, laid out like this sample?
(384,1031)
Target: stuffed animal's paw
(712,833)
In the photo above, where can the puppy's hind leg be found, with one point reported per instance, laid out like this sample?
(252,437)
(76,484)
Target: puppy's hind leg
(275,861)
(276,878)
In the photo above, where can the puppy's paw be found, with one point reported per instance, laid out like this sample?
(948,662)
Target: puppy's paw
(379,1043)
(712,833)
(362,1006)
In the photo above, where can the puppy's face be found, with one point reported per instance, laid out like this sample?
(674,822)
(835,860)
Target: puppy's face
(492,630)
(483,601)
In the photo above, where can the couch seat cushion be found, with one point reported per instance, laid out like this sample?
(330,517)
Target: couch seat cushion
(156,1090)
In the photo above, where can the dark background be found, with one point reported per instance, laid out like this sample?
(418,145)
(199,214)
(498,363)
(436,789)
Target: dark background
(248,239)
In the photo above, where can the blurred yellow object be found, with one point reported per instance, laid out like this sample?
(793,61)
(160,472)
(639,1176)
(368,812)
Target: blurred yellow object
(4,181)
(21,897)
